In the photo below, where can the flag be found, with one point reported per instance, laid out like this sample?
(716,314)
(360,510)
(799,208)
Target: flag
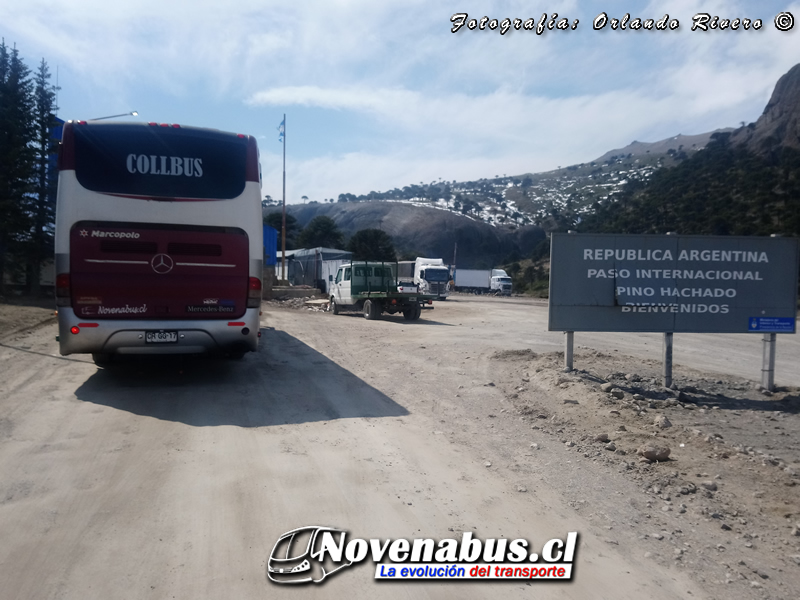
(281,129)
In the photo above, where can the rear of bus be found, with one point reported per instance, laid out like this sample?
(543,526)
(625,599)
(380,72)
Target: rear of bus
(158,240)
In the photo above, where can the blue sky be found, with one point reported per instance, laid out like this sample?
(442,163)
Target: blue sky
(381,94)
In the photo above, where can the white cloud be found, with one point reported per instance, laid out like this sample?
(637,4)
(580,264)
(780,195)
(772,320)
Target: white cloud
(428,103)
(384,102)
(453,133)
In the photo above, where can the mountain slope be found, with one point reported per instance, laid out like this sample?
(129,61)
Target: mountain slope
(678,143)
(543,198)
(743,183)
(421,231)
(779,124)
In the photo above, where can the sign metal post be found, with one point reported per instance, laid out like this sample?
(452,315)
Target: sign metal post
(768,362)
(569,338)
(667,358)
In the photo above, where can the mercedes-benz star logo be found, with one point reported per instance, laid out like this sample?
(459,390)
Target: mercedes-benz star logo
(162,263)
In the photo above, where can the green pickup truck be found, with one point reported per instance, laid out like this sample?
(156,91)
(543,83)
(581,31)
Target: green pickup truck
(374,288)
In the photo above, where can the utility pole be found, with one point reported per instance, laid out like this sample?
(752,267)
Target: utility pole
(282,129)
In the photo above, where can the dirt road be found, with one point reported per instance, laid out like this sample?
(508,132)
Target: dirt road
(174,478)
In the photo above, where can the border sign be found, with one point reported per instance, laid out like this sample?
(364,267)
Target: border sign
(672,283)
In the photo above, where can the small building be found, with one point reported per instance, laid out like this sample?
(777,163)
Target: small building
(315,267)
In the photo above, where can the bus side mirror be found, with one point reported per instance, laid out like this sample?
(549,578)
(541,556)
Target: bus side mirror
(330,277)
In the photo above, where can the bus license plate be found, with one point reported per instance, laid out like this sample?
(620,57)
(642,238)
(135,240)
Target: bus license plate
(160,337)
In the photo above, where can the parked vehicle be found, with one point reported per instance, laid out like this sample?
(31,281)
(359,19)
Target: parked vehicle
(374,288)
(501,282)
(483,281)
(405,270)
(158,240)
(432,276)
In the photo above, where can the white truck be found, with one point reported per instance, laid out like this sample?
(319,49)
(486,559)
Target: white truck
(501,283)
(483,281)
(430,274)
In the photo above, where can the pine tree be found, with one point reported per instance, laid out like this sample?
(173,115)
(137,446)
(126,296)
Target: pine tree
(275,220)
(43,200)
(322,231)
(372,244)
(16,156)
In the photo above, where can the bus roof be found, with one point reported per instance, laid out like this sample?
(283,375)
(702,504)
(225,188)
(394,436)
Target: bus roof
(158,161)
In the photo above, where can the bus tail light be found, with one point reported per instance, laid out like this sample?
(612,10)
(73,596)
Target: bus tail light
(63,291)
(254,293)
(74,330)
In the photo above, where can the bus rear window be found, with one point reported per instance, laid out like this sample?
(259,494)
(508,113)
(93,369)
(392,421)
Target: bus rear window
(159,162)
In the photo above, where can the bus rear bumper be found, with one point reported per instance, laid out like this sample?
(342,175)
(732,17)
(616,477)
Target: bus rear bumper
(110,336)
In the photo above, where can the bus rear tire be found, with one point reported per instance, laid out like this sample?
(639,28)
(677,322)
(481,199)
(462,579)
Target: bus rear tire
(408,314)
(103,359)
(417,312)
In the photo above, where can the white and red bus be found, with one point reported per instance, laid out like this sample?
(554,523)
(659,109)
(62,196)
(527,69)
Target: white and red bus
(158,240)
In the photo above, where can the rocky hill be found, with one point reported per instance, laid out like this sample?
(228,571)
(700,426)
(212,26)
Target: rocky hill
(542,199)
(674,145)
(496,220)
(779,124)
(428,231)
(743,183)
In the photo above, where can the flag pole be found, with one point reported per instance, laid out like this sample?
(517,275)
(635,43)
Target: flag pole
(283,228)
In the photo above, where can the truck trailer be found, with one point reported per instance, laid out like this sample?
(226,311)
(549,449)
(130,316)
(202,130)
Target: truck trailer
(483,281)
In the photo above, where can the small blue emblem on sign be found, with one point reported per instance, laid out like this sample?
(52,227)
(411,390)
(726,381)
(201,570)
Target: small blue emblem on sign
(771,324)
